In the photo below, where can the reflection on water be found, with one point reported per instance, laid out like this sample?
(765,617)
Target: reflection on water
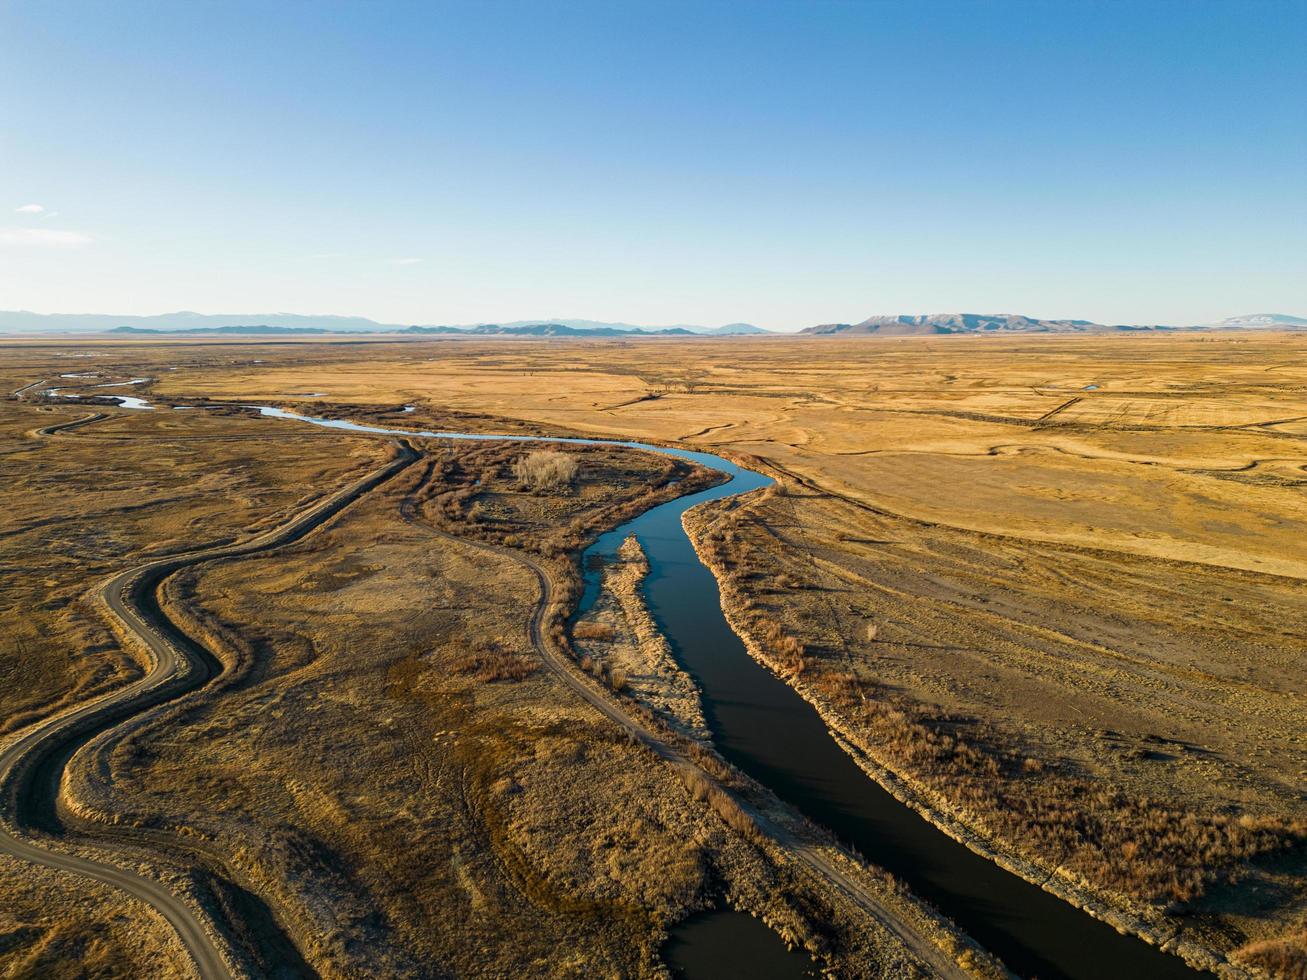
(728,945)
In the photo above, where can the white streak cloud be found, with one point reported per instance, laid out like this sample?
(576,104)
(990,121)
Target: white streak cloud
(42,238)
(29,209)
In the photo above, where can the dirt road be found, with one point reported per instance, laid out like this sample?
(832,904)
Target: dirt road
(31,766)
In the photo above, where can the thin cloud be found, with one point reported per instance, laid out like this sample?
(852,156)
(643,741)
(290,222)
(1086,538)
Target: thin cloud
(409,261)
(43,238)
(30,209)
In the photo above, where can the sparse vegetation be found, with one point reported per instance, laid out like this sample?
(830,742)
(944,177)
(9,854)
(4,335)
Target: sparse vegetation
(1130,841)
(1071,621)
(490,661)
(546,469)
(1284,957)
(593,631)
(1138,846)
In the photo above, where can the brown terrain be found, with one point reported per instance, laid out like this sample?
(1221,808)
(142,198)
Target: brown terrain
(1048,590)
(383,777)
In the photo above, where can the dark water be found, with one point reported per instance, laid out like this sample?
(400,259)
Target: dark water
(730,945)
(764,727)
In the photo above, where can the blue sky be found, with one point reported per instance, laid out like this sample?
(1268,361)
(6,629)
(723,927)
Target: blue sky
(780,163)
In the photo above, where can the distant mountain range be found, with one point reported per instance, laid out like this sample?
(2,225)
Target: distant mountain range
(556,330)
(292,324)
(1263,321)
(185,322)
(1007,323)
(728,330)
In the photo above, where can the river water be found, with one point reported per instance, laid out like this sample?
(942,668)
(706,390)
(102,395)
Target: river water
(763,726)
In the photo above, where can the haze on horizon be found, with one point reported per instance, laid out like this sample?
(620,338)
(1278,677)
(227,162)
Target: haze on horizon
(784,164)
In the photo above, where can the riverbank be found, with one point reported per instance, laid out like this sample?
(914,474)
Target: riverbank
(618,638)
(1149,924)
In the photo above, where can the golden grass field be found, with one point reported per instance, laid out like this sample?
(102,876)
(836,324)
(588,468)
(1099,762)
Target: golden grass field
(1054,584)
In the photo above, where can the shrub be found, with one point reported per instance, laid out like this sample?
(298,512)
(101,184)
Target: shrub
(722,803)
(1282,957)
(786,651)
(490,662)
(593,631)
(1139,846)
(546,469)
(617,680)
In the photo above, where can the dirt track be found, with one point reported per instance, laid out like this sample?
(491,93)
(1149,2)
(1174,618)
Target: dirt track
(31,767)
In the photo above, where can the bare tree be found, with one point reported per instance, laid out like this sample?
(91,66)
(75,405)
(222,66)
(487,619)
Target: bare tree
(546,469)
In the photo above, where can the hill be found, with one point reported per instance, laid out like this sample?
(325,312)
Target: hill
(1262,321)
(481,330)
(548,330)
(607,328)
(186,322)
(950,323)
(1009,323)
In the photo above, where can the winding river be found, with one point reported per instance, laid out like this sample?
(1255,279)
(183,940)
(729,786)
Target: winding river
(763,726)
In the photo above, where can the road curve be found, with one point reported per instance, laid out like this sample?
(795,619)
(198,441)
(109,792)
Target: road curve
(812,857)
(25,790)
(18,393)
(49,430)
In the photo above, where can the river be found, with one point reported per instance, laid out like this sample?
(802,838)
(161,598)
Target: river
(764,727)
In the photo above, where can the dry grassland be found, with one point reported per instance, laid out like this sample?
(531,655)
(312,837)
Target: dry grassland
(76,507)
(1055,585)
(384,761)
(398,776)
(1076,564)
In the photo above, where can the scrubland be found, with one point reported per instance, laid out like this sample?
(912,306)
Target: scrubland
(1054,585)
(1051,590)
(383,761)
(76,508)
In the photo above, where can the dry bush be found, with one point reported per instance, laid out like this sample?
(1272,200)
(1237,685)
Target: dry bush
(1143,848)
(461,495)
(1138,846)
(593,631)
(710,762)
(781,648)
(617,679)
(490,662)
(723,804)
(1284,957)
(546,469)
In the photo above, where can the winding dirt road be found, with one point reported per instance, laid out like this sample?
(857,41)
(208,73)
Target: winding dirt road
(49,430)
(31,767)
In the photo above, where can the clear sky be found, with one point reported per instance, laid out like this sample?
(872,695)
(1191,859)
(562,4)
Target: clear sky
(779,163)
